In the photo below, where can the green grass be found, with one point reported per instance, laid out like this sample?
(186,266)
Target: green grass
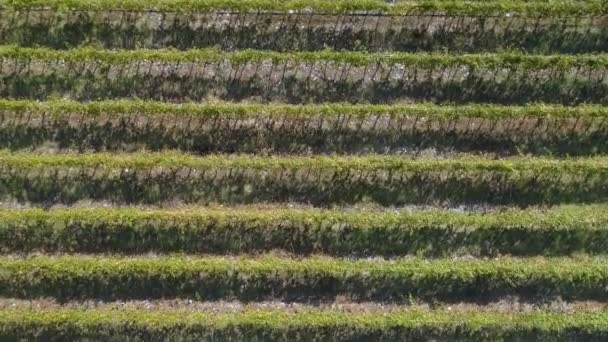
(419,60)
(143,160)
(566,7)
(119,108)
(269,277)
(558,231)
(312,324)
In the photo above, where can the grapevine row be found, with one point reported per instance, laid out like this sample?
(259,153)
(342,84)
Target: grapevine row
(559,231)
(295,30)
(390,180)
(316,278)
(87,74)
(310,324)
(341,128)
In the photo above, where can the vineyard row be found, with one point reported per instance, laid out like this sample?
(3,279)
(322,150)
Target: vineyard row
(206,128)
(321,181)
(87,74)
(558,231)
(304,31)
(311,324)
(316,278)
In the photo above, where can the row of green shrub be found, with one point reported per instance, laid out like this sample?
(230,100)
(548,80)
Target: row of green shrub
(307,324)
(560,231)
(316,278)
(391,180)
(302,31)
(295,87)
(87,74)
(565,7)
(318,129)
(312,135)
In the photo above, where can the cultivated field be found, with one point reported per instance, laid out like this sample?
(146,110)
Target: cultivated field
(261,170)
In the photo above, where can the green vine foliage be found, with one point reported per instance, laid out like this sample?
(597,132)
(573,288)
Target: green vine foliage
(311,324)
(365,155)
(326,76)
(321,181)
(327,128)
(303,31)
(560,231)
(316,278)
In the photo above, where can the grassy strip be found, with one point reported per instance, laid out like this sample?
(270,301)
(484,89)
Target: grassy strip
(566,7)
(420,60)
(269,277)
(311,324)
(119,108)
(560,231)
(177,160)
